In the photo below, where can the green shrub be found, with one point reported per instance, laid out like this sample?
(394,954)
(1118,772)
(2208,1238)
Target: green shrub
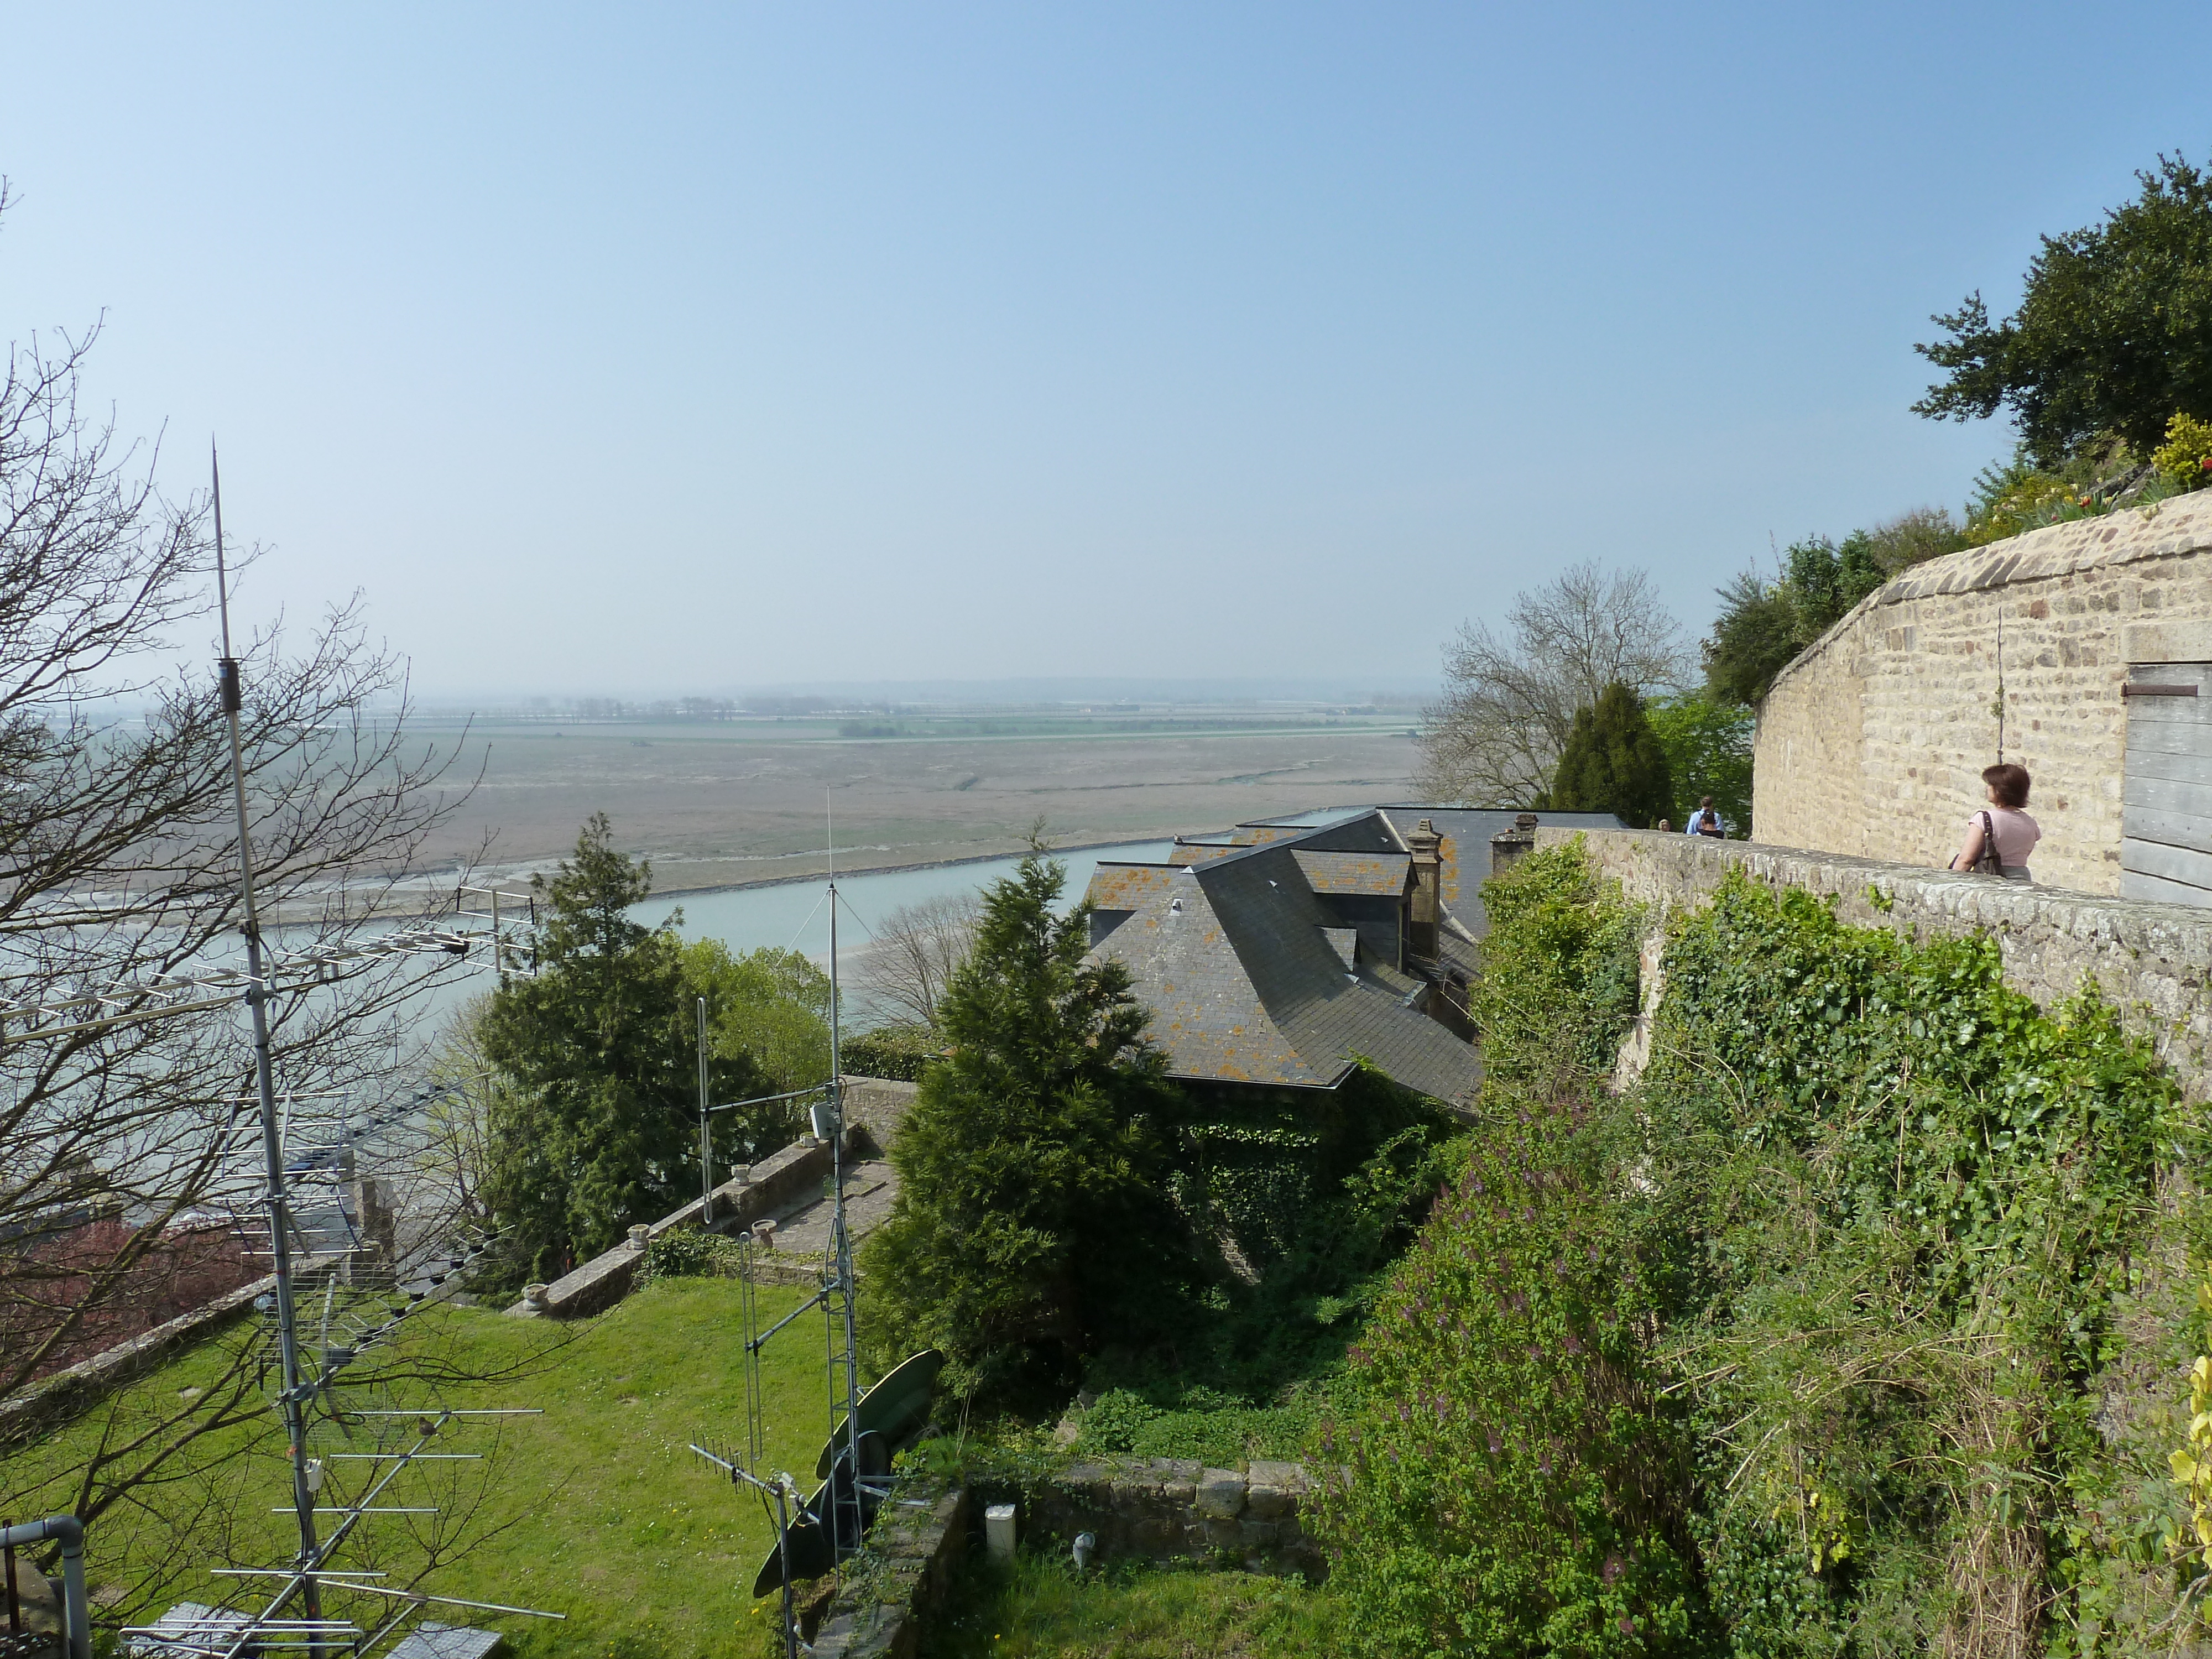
(899,1052)
(1201,1424)
(1559,980)
(688,1253)
(1842,1332)
(1519,1484)
(1901,1205)
(2184,458)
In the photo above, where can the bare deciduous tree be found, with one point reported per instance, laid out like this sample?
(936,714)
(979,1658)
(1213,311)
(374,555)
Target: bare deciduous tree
(118,862)
(916,949)
(1510,701)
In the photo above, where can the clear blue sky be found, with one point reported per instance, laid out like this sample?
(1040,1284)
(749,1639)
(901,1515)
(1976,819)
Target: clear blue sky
(642,350)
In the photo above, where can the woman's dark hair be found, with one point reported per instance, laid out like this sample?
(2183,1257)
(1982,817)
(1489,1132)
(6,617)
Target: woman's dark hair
(2009,783)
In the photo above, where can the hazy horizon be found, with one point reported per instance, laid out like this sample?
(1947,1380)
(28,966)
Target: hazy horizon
(1012,689)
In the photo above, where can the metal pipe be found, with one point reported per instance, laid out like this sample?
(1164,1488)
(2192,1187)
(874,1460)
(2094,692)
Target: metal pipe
(76,1612)
(753,1346)
(764,1100)
(841,1239)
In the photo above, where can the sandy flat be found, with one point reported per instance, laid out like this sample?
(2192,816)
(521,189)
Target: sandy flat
(712,806)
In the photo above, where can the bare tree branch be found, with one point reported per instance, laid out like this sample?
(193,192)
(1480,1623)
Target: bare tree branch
(916,949)
(1509,703)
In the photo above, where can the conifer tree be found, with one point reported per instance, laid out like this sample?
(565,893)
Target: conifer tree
(598,1127)
(1031,1222)
(1613,763)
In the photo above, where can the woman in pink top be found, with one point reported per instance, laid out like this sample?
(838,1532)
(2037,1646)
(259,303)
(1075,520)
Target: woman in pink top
(2015,832)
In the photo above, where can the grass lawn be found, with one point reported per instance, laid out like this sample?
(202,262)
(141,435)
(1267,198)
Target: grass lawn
(595,1509)
(1039,1610)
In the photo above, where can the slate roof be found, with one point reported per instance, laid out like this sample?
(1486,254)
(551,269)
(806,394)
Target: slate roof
(1253,975)
(1123,886)
(1199,852)
(1383,874)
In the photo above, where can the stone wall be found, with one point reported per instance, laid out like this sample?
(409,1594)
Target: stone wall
(2153,961)
(69,1392)
(1873,741)
(595,1285)
(914,1555)
(1175,1509)
(874,1109)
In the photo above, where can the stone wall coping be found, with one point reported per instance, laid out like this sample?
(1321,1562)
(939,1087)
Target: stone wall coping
(2165,530)
(877,1106)
(69,1390)
(2177,931)
(918,1558)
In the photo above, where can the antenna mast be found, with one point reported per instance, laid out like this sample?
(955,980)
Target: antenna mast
(293,1398)
(841,1243)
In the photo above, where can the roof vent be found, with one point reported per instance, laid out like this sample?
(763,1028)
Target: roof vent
(1174,907)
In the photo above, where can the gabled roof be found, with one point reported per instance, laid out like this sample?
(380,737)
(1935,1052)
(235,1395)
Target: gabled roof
(1253,978)
(1239,947)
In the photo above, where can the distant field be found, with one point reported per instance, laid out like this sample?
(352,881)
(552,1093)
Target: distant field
(716,804)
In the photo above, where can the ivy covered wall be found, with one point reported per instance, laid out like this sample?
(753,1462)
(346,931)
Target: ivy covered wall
(1861,1324)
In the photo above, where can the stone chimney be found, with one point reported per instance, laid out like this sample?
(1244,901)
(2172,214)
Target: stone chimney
(1424,904)
(1507,845)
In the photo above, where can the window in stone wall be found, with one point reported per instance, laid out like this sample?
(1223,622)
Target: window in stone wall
(2167,818)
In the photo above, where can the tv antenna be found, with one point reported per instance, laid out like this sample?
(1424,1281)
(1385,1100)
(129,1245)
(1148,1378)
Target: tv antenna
(818,1534)
(303,1143)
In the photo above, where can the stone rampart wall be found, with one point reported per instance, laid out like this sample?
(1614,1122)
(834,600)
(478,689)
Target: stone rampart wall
(2153,961)
(1873,741)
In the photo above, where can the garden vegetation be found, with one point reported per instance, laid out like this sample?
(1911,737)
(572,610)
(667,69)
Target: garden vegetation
(1850,1327)
(1068,1217)
(590,1112)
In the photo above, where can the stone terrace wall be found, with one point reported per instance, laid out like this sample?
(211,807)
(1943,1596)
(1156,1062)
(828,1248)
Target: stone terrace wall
(874,1109)
(1176,1510)
(880,1614)
(2152,961)
(1873,741)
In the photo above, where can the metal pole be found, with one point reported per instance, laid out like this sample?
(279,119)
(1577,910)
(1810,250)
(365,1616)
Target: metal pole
(840,1238)
(783,1549)
(705,1143)
(272,1152)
